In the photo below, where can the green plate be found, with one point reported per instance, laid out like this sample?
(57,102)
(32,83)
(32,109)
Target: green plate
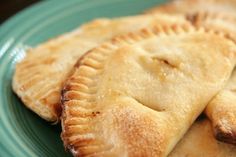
(22,133)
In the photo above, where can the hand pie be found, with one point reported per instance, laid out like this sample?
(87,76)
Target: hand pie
(191,6)
(39,77)
(200,142)
(137,94)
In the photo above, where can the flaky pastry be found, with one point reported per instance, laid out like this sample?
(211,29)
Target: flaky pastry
(221,110)
(200,142)
(39,77)
(191,6)
(219,15)
(138,94)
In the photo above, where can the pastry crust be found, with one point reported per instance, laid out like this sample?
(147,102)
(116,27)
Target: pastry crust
(200,142)
(220,16)
(139,93)
(191,6)
(219,21)
(39,77)
(221,110)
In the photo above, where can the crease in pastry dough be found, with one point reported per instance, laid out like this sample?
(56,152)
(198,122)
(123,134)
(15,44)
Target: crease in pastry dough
(39,77)
(135,105)
(200,142)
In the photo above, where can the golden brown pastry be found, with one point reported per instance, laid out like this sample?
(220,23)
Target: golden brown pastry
(191,6)
(222,112)
(138,94)
(222,109)
(221,16)
(200,142)
(219,21)
(39,77)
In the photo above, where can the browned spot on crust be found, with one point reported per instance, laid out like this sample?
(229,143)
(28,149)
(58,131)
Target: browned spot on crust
(57,109)
(94,114)
(225,135)
(63,92)
(134,126)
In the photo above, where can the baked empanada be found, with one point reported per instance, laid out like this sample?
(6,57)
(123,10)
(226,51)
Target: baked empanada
(200,142)
(39,77)
(138,94)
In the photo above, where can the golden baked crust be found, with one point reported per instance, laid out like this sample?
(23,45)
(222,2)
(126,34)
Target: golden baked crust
(200,142)
(221,16)
(222,109)
(222,112)
(39,77)
(219,21)
(139,93)
(192,6)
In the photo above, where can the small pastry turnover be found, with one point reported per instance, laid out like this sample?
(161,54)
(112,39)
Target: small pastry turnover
(138,94)
(40,76)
